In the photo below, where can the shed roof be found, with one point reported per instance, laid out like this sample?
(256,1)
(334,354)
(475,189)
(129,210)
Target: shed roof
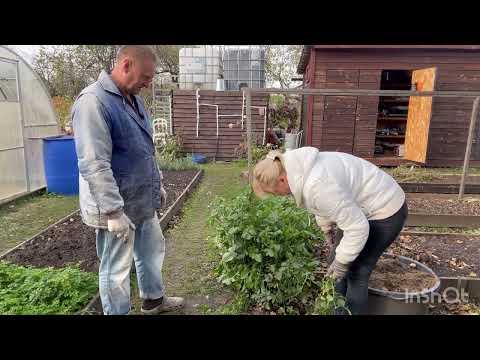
(307,49)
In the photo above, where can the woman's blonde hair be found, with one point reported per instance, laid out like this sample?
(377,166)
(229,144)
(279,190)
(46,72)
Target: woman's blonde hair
(267,171)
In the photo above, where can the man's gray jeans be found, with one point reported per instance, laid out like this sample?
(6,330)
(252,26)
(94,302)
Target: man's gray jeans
(147,251)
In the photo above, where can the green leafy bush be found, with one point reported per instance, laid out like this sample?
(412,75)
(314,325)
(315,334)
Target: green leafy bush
(283,112)
(328,299)
(258,151)
(172,148)
(42,291)
(267,249)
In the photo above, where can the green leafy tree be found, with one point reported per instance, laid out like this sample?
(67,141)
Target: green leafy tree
(281,64)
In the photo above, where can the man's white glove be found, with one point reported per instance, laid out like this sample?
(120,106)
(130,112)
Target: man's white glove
(337,270)
(163,197)
(120,226)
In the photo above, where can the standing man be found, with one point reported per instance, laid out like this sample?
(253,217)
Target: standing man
(120,183)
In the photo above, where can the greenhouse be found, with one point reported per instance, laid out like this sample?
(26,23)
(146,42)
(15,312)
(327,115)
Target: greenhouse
(27,116)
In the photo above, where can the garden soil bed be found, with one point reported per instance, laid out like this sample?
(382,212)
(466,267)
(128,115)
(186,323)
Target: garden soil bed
(443,204)
(72,242)
(393,275)
(446,255)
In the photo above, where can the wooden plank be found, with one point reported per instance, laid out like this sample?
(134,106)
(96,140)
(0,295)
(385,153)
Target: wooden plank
(211,93)
(442,220)
(408,65)
(458,86)
(370,76)
(184,123)
(339,137)
(445,162)
(419,115)
(369,86)
(209,126)
(341,85)
(342,76)
(177,205)
(333,116)
(396,55)
(192,104)
(222,142)
(360,116)
(368,100)
(338,111)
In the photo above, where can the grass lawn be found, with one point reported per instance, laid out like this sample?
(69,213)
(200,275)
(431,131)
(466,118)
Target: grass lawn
(189,260)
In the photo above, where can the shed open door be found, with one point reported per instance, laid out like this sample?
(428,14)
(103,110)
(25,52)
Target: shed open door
(419,114)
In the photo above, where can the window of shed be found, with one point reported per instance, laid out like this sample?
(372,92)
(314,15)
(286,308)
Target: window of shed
(8,81)
(392,114)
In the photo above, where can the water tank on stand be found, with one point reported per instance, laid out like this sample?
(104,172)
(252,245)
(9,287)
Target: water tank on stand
(61,165)
(244,66)
(199,68)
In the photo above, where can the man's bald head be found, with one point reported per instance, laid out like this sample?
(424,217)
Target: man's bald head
(136,52)
(134,68)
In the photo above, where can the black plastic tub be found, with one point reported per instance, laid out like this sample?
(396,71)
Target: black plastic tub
(382,302)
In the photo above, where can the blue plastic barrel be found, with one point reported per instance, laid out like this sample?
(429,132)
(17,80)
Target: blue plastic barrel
(61,165)
(199,159)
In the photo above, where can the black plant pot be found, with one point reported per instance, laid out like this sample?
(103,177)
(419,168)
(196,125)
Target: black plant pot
(382,302)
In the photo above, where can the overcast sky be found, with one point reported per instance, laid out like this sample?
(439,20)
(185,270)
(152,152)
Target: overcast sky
(27,51)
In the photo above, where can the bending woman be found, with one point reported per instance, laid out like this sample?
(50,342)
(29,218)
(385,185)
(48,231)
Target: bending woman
(340,189)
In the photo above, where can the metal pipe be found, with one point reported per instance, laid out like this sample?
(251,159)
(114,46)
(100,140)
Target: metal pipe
(24,138)
(13,148)
(243,106)
(217,118)
(197,95)
(249,134)
(44,125)
(468,150)
(170,114)
(264,124)
(154,102)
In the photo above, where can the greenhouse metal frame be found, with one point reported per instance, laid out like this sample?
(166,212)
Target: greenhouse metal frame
(27,115)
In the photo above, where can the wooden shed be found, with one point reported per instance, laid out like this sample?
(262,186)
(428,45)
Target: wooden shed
(392,130)
(231,134)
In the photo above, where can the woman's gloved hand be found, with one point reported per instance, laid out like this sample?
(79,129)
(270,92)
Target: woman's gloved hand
(330,238)
(337,270)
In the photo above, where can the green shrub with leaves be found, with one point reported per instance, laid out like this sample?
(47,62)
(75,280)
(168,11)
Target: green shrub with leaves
(258,152)
(42,291)
(328,299)
(172,148)
(267,249)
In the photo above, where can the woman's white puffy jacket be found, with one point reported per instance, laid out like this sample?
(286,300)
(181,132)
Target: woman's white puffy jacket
(342,189)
